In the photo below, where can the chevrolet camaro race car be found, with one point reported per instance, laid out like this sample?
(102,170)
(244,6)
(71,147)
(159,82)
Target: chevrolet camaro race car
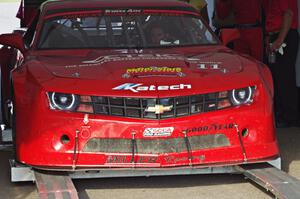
(132,84)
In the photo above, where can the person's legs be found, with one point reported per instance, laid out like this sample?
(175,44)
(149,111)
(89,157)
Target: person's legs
(285,75)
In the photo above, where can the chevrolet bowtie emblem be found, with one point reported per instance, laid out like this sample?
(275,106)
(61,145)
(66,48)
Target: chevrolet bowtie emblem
(158,109)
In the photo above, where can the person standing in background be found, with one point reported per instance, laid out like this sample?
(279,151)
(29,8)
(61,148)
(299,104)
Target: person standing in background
(283,39)
(247,17)
(200,5)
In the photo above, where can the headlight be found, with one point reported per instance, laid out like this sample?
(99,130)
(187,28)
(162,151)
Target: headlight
(62,101)
(241,96)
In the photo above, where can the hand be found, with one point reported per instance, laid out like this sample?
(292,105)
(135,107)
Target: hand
(276,44)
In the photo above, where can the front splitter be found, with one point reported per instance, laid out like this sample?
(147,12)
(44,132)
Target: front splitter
(21,173)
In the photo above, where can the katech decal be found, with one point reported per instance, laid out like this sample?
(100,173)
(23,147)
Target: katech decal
(138,87)
(154,69)
(158,132)
(210,127)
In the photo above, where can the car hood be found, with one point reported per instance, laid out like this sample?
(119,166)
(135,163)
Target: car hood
(144,66)
(151,71)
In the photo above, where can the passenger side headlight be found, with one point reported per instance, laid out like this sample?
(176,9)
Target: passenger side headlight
(242,95)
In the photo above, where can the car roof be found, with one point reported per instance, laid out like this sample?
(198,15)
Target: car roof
(64,5)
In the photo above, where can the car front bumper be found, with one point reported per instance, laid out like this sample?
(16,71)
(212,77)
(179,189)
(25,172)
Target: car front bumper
(226,137)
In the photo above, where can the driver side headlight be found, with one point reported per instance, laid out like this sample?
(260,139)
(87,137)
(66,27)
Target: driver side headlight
(63,101)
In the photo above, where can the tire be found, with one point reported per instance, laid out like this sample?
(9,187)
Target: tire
(13,131)
(5,110)
(2,113)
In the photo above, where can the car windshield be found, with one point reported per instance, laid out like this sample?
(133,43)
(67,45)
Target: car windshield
(135,30)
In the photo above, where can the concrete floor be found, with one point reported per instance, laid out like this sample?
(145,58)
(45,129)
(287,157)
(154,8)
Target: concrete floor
(175,187)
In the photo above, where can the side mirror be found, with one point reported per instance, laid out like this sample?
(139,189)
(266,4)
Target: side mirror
(228,35)
(14,40)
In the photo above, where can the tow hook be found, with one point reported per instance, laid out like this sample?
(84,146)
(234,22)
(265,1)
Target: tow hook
(75,150)
(241,142)
(133,147)
(188,147)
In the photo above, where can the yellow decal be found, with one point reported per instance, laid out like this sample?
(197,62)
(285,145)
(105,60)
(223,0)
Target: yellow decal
(154,69)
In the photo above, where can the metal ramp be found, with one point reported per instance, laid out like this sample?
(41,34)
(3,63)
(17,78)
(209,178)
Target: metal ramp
(50,185)
(54,186)
(59,185)
(279,183)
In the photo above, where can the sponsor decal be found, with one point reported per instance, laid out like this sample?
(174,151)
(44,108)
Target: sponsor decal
(202,65)
(76,14)
(172,159)
(158,132)
(132,57)
(122,11)
(211,66)
(126,57)
(154,69)
(119,159)
(139,87)
(211,127)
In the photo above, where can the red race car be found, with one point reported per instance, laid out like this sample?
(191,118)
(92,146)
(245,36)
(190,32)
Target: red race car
(137,85)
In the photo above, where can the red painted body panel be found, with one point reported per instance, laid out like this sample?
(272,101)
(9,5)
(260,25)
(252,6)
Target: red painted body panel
(39,129)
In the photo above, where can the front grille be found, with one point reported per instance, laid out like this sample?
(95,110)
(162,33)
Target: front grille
(156,146)
(180,106)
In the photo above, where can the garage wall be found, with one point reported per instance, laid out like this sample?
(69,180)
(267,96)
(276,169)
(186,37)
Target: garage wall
(298,58)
